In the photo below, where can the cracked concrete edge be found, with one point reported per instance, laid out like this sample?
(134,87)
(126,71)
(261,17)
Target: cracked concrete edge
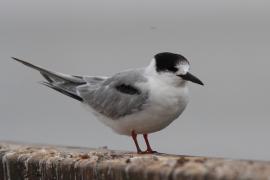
(28,161)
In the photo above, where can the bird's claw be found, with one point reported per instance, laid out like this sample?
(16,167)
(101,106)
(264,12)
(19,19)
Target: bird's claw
(147,152)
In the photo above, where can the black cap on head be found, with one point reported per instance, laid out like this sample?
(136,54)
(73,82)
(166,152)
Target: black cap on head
(167,61)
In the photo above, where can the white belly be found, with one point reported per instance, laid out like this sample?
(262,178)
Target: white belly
(163,108)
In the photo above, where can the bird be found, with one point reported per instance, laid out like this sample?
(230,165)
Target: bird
(132,102)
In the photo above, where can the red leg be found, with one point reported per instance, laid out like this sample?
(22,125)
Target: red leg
(134,137)
(149,149)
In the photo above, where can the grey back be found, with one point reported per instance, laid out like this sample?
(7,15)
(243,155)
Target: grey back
(104,97)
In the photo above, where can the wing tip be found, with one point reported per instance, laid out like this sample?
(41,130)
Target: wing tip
(63,91)
(16,59)
(19,60)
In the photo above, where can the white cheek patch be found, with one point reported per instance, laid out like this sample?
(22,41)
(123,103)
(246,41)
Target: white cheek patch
(183,68)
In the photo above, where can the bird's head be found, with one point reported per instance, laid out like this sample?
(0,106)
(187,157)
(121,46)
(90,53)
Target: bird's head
(173,68)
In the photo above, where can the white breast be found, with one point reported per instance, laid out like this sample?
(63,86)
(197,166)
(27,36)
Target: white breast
(166,103)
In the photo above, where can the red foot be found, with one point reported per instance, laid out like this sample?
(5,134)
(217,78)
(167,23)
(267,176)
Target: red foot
(134,137)
(147,152)
(139,151)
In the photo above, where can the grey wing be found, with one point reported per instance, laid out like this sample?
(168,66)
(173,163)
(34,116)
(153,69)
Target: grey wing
(63,83)
(117,96)
(93,80)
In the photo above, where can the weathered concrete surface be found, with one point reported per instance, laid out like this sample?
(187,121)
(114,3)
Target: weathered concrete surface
(21,161)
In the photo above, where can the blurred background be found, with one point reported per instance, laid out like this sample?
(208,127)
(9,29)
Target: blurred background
(226,41)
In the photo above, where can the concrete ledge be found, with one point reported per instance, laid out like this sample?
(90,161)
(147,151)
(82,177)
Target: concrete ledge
(22,161)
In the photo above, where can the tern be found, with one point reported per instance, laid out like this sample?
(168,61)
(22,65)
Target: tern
(134,101)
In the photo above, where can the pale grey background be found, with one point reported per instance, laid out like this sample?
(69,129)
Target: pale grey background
(227,42)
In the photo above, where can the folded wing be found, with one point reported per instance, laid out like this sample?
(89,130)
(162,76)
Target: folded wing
(63,83)
(118,96)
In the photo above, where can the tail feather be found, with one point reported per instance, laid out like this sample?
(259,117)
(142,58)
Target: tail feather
(65,84)
(63,91)
(52,76)
(47,77)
